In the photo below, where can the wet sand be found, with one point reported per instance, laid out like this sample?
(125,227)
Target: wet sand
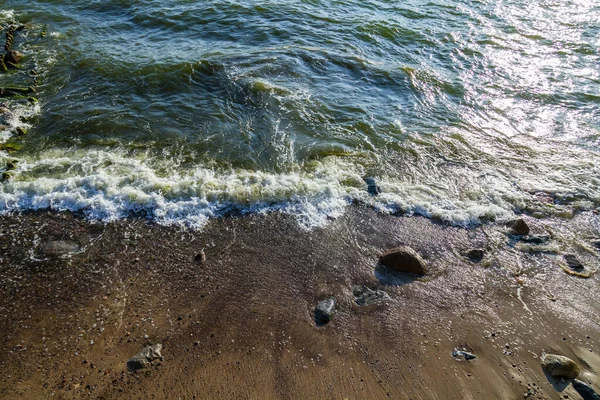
(240,324)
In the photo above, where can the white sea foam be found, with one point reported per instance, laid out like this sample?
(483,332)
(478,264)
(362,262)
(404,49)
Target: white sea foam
(111,185)
(13,119)
(7,15)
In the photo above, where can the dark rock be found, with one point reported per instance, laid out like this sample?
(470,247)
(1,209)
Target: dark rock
(520,227)
(324,311)
(59,248)
(573,262)
(145,357)
(372,187)
(463,355)
(560,366)
(13,57)
(596,244)
(404,259)
(585,390)
(366,297)
(536,239)
(200,258)
(475,255)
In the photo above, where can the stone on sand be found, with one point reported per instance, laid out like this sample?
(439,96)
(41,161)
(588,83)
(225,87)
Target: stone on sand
(324,311)
(57,248)
(463,355)
(404,259)
(475,255)
(366,297)
(560,366)
(585,390)
(145,357)
(573,262)
(520,227)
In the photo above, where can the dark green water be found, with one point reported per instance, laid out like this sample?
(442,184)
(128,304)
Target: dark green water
(184,110)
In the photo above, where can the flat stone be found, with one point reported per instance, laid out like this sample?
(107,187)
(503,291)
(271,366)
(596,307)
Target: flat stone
(585,390)
(324,311)
(536,239)
(57,248)
(560,366)
(363,296)
(404,259)
(463,355)
(573,262)
(145,357)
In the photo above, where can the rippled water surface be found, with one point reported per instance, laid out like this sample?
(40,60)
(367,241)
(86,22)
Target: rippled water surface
(183,110)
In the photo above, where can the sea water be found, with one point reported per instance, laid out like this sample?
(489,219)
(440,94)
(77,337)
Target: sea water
(185,110)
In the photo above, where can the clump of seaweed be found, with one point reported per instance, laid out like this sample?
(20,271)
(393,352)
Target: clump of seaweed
(19,84)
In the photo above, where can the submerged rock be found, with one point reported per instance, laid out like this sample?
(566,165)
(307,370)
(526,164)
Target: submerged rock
(59,248)
(363,296)
(463,355)
(372,187)
(573,262)
(13,57)
(324,311)
(145,357)
(560,366)
(520,227)
(404,259)
(585,390)
(475,255)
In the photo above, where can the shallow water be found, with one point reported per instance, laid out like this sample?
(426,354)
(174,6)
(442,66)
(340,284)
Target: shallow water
(461,111)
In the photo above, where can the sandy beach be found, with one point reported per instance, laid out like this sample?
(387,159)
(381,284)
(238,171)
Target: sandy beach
(233,307)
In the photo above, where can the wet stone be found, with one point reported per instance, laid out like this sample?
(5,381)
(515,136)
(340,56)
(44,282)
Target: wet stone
(324,311)
(585,390)
(475,255)
(560,366)
(59,248)
(520,227)
(372,188)
(536,239)
(363,296)
(404,259)
(463,355)
(573,262)
(13,57)
(145,357)
(200,258)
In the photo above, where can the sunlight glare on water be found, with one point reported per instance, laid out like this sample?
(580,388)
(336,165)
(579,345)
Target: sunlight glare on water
(460,111)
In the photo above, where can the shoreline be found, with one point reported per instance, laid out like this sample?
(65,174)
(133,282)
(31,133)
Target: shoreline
(238,322)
